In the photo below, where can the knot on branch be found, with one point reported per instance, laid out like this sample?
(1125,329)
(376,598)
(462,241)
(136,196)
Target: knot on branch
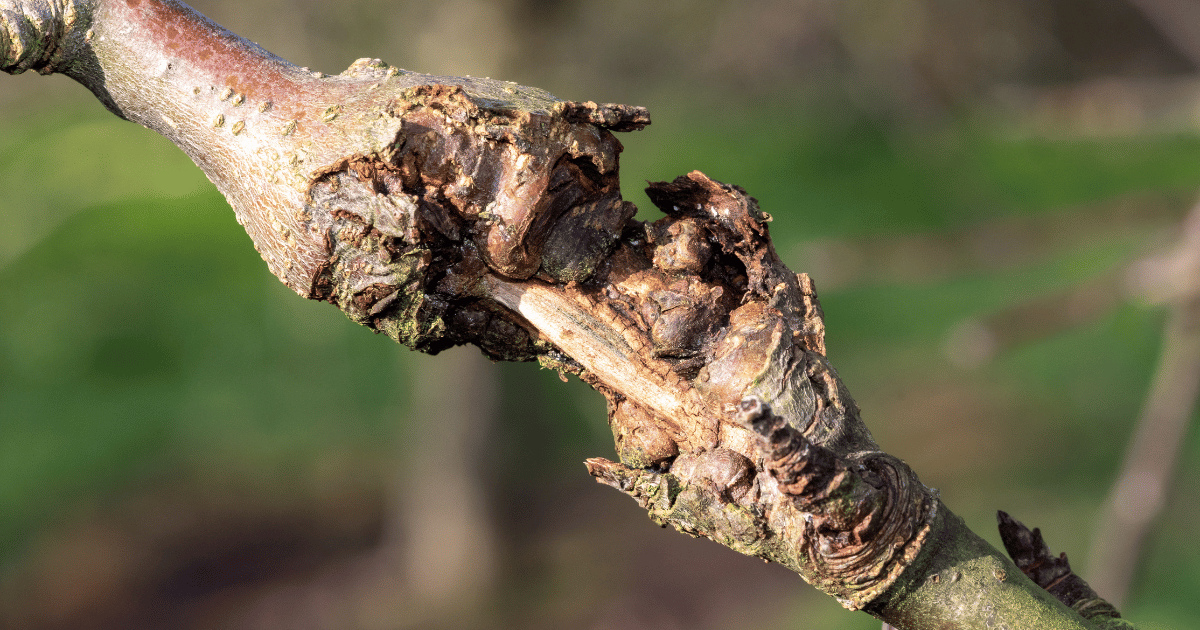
(864,514)
(37,34)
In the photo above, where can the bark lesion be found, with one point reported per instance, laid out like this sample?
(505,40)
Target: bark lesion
(773,459)
(469,186)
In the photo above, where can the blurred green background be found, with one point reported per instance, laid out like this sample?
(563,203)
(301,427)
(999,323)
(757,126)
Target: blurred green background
(184,443)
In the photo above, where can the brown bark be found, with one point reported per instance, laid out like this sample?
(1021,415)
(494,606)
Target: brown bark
(452,210)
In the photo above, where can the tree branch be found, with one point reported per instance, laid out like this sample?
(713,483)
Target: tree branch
(452,210)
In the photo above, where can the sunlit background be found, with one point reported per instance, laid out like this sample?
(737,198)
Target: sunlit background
(985,193)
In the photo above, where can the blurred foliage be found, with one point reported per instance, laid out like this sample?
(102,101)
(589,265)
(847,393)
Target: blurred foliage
(143,344)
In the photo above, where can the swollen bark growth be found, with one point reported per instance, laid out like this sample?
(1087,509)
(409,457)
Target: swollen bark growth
(453,210)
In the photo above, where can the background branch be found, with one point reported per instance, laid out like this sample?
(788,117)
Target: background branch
(1140,491)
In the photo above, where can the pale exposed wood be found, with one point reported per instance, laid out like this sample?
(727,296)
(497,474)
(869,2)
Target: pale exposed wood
(572,325)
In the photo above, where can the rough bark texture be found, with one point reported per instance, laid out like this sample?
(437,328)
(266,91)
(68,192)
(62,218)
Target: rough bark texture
(452,210)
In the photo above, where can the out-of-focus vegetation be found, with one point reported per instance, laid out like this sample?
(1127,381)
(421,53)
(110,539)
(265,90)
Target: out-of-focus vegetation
(182,438)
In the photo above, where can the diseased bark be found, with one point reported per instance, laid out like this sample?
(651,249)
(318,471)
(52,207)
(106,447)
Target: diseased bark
(452,210)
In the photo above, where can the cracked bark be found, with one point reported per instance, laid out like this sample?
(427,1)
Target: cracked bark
(444,211)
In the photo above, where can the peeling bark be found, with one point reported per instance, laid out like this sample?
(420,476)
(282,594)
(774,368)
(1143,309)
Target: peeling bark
(454,210)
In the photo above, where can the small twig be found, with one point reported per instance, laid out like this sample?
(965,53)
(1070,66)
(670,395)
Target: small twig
(1053,573)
